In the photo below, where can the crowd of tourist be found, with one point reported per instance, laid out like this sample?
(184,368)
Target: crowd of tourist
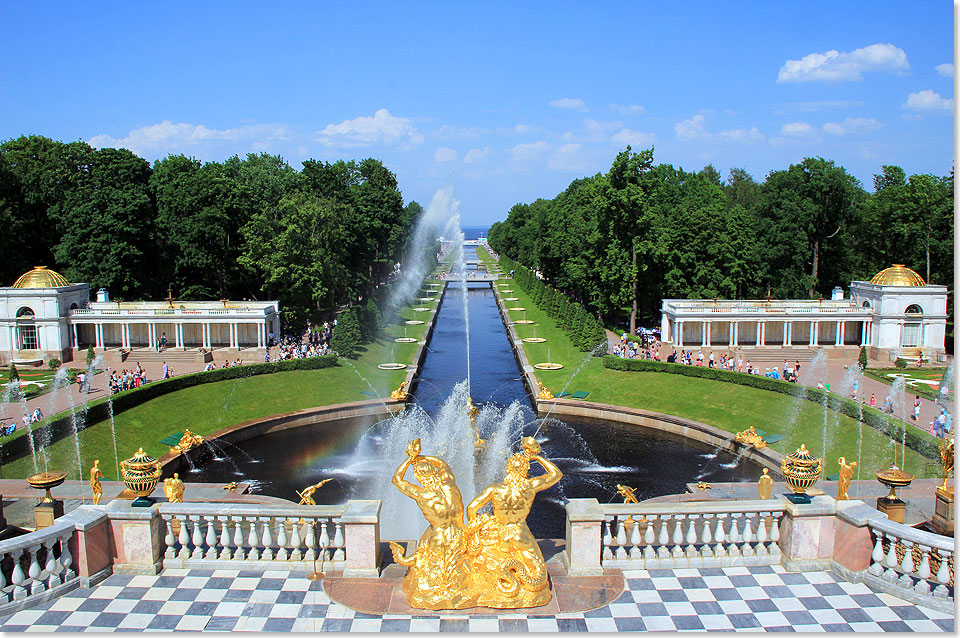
(126,379)
(313,342)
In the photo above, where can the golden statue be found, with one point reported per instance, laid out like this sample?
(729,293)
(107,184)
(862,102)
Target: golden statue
(946,462)
(751,438)
(437,572)
(399,394)
(306,496)
(232,485)
(187,441)
(846,473)
(765,485)
(473,411)
(629,494)
(95,475)
(703,485)
(544,393)
(507,568)
(173,488)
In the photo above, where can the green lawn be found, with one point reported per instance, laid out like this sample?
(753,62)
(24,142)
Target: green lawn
(210,407)
(923,389)
(727,406)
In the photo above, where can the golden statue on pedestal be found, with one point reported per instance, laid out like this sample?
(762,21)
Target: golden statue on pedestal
(544,394)
(173,488)
(187,441)
(946,462)
(306,496)
(765,485)
(846,474)
(399,394)
(95,475)
(493,561)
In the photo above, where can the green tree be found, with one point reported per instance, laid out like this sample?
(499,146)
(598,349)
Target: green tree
(347,335)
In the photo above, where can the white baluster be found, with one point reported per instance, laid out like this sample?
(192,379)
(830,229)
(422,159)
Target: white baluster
(691,539)
(720,537)
(324,538)
(677,536)
(649,538)
(311,540)
(211,539)
(943,574)
(18,578)
(923,571)
(66,559)
(253,540)
(748,536)
(238,553)
(621,540)
(3,579)
(170,539)
(226,551)
(663,551)
(197,538)
(267,539)
(876,567)
(706,538)
(734,536)
(295,541)
(52,568)
(282,553)
(891,561)
(762,535)
(608,539)
(36,584)
(183,539)
(339,552)
(635,539)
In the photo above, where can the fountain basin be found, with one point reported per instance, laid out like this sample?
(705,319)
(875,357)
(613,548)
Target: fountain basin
(413,322)
(548,366)
(517,308)
(405,340)
(392,366)
(511,299)
(421,309)
(533,339)
(524,321)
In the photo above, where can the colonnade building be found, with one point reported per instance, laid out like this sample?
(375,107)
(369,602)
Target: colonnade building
(896,313)
(42,316)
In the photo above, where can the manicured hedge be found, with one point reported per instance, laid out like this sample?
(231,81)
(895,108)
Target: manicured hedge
(917,440)
(61,424)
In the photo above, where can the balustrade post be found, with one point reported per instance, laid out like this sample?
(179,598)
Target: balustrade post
(36,583)
(907,565)
(197,538)
(943,574)
(184,538)
(648,539)
(18,578)
(361,538)
(282,552)
(581,556)
(170,539)
(267,539)
(226,552)
(211,539)
(807,532)
(621,540)
(339,553)
(238,553)
(138,537)
(253,540)
(663,540)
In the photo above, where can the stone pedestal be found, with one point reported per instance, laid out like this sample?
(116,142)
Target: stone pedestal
(582,554)
(807,533)
(45,513)
(362,539)
(894,508)
(137,538)
(943,511)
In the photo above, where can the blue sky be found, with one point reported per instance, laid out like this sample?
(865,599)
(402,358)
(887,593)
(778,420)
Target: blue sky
(506,102)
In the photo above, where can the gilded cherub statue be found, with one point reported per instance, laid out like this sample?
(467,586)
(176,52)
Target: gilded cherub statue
(507,567)
(187,441)
(544,394)
(95,475)
(399,394)
(436,577)
(846,474)
(306,496)
(629,494)
(173,488)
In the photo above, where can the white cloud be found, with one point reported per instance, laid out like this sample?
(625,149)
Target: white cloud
(852,126)
(167,137)
(845,66)
(796,129)
(475,155)
(444,154)
(693,129)
(447,132)
(574,104)
(927,101)
(528,152)
(630,109)
(945,70)
(382,129)
(567,158)
(635,139)
(593,132)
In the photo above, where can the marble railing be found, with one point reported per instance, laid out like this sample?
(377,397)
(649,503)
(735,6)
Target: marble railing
(910,561)
(289,537)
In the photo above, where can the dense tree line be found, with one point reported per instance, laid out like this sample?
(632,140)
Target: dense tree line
(243,228)
(621,241)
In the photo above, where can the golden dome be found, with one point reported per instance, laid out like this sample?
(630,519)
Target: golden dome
(41,277)
(898,275)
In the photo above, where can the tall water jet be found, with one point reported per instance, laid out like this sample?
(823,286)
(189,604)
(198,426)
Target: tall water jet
(13,394)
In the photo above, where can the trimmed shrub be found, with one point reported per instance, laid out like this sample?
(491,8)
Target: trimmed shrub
(14,375)
(90,355)
(915,439)
(900,364)
(862,359)
(347,335)
(54,363)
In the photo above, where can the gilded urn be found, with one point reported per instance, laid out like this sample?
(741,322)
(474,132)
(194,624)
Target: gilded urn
(801,470)
(141,473)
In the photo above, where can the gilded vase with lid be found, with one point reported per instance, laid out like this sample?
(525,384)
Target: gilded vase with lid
(801,470)
(141,473)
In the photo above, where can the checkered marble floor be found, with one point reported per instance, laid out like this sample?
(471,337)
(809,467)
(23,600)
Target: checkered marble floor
(728,599)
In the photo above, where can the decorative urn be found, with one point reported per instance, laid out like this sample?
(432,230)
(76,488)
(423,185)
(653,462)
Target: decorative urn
(893,477)
(141,473)
(801,470)
(46,481)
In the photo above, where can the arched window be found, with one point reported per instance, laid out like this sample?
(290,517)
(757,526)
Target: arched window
(26,329)
(913,309)
(866,304)
(912,326)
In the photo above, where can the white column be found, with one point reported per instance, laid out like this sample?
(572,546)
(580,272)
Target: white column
(180,335)
(679,334)
(205,330)
(730,338)
(703,333)
(664,327)
(98,328)
(843,329)
(708,329)
(73,327)
(736,334)
(762,329)
(788,332)
(837,339)
(233,336)
(813,333)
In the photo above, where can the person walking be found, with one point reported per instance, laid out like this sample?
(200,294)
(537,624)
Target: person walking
(166,371)
(916,408)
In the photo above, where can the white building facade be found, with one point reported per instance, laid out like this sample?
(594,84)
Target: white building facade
(42,316)
(895,313)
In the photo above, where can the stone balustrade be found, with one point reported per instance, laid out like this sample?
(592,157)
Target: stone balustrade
(911,563)
(671,535)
